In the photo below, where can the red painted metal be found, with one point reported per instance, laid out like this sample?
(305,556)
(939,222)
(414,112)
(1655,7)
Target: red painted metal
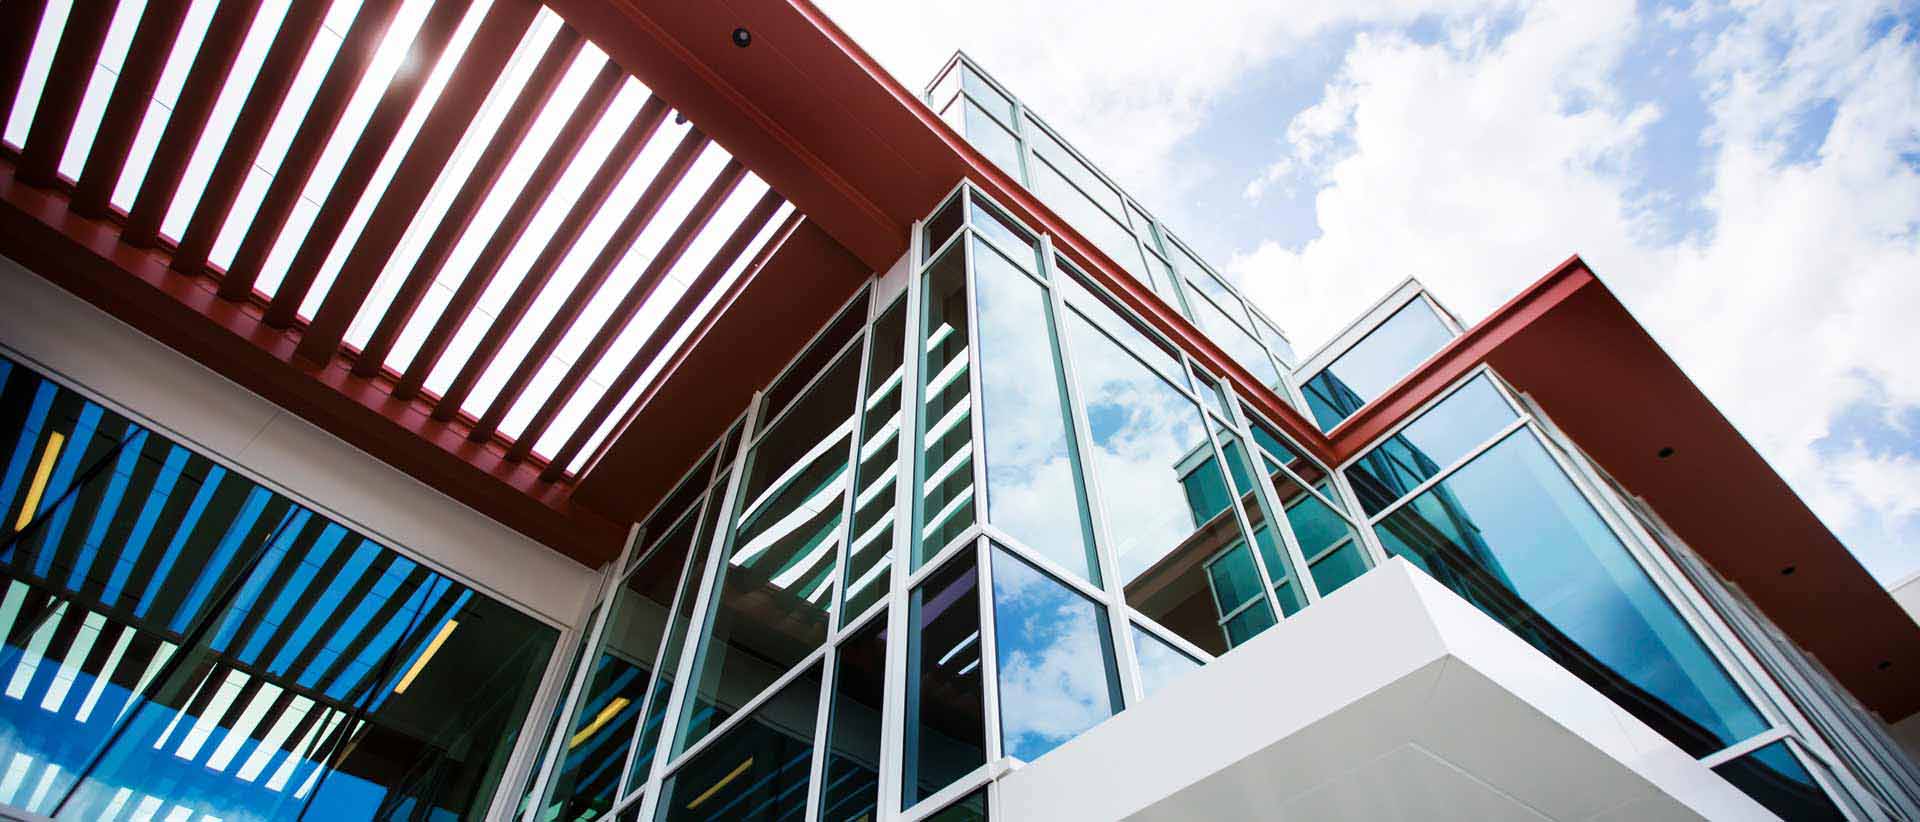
(350,184)
(208,73)
(72,67)
(602,267)
(132,92)
(291,44)
(310,139)
(500,148)
(19,22)
(558,244)
(467,88)
(507,233)
(723,260)
(40,230)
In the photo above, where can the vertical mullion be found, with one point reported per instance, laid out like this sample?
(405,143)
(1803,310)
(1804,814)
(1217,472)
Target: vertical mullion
(583,671)
(718,543)
(699,515)
(893,718)
(1276,508)
(1239,512)
(989,649)
(1113,587)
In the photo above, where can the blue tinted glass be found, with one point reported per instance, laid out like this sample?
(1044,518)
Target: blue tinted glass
(1055,653)
(1375,363)
(1160,663)
(946,718)
(183,640)
(1445,433)
(1032,487)
(1511,534)
(1339,568)
(1248,623)
(1235,340)
(1133,338)
(1774,777)
(1235,580)
(758,770)
(1281,348)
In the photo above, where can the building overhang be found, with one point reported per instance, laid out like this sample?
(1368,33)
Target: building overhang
(1624,402)
(1446,710)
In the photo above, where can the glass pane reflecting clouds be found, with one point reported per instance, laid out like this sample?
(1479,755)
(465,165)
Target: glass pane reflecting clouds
(1445,433)
(1160,663)
(1375,363)
(1055,653)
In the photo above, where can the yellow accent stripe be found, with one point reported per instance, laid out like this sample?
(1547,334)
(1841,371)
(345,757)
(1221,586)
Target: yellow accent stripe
(737,771)
(432,648)
(39,486)
(600,719)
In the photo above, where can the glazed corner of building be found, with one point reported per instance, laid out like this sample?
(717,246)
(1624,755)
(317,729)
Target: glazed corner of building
(250,547)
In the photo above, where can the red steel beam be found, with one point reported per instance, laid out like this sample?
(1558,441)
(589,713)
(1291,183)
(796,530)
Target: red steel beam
(67,77)
(553,251)
(467,88)
(349,64)
(291,44)
(486,171)
(19,22)
(351,183)
(573,134)
(709,276)
(208,74)
(39,228)
(603,266)
(132,92)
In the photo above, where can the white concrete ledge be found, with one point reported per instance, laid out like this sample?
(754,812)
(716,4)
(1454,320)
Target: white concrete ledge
(129,371)
(1391,699)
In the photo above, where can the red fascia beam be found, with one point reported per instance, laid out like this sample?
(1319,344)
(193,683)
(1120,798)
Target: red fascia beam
(86,256)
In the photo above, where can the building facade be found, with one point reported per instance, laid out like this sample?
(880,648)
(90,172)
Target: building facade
(445,410)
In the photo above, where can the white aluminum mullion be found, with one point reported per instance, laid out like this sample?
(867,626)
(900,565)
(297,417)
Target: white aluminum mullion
(989,650)
(699,512)
(1276,509)
(906,502)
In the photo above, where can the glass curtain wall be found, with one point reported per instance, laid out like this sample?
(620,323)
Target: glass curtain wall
(1475,492)
(1014,138)
(182,641)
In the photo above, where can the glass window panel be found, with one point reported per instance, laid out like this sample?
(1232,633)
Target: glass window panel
(1032,484)
(1433,441)
(1234,340)
(940,226)
(1011,238)
(970,808)
(1511,533)
(669,667)
(946,719)
(989,97)
(769,609)
(1276,341)
(1375,363)
(1249,623)
(1163,281)
(758,770)
(685,495)
(1055,654)
(1234,578)
(870,551)
(1144,346)
(1160,662)
(1775,778)
(604,722)
(1086,217)
(1142,225)
(809,364)
(1264,537)
(852,789)
(1210,391)
(176,624)
(991,138)
(1096,189)
(1339,568)
(946,416)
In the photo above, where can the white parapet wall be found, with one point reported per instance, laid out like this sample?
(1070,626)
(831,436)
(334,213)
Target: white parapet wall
(54,331)
(1390,699)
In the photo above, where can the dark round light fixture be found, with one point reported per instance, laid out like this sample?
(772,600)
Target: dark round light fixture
(1884,664)
(742,38)
(1665,452)
(1788,571)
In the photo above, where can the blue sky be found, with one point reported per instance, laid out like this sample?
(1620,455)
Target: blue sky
(1746,176)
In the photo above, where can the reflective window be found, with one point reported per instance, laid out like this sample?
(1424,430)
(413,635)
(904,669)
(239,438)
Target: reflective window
(1276,341)
(1055,654)
(970,808)
(1375,363)
(603,727)
(943,224)
(995,103)
(946,720)
(987,135)
(1032,484)
(870,553)
(1086,217)
(1011,239)
(758,769)
(1775,778)
(1082,175)
(813,360)
(1286,587)
(1147,348)
(852,774)
(1160,662)
(946,416)
(1510,533)
(183,641)
(649,743)
(769,608)
(1234,340)
(1433,441)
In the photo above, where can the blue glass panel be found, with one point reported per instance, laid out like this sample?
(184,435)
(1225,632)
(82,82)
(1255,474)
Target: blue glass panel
(1055,654)
(758,770)
(1235,580)
(1510,533)
(1776,779)
(1375,363)
(1108,319)
(1160,663)
(1249,623)
(1434,440)
(1339,568)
